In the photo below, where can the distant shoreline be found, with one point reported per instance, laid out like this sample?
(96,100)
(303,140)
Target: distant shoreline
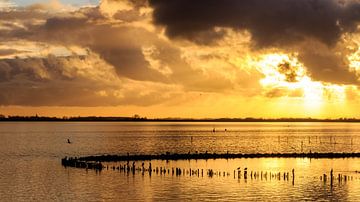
(144,119)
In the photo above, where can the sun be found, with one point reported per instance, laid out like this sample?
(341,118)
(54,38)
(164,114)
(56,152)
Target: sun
(289,78)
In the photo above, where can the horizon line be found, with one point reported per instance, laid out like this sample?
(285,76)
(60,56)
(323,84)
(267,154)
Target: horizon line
(175,119)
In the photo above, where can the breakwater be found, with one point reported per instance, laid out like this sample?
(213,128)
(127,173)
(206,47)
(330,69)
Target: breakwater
(142,164)
(94,162)
(142,167)
(204,156)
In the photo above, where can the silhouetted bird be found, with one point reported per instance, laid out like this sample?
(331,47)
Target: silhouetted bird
(68,141)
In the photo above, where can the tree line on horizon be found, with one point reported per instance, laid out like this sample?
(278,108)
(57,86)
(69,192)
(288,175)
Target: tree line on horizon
(139,118)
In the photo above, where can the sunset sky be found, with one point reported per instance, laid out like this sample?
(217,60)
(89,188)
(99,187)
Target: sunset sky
(180,58)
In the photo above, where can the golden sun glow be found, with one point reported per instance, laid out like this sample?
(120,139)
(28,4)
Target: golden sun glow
(354,62)
(160,66)
(287,75)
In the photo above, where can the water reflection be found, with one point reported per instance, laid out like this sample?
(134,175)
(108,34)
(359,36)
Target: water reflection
(307,184)
(30,156)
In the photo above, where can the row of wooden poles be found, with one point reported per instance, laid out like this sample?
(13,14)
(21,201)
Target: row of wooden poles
(331,140)
(340,177)
(238,173)
(175,171)
(127,168)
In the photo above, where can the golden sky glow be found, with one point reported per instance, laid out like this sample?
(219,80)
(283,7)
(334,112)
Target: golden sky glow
(129,57)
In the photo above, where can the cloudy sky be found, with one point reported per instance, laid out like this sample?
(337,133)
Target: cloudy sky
(180,58)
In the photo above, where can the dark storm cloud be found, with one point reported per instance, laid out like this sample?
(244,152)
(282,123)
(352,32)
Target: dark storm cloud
(283,24)
(325,64)
(271,22)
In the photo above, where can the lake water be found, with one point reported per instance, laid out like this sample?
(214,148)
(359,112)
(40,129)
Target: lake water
(30,155)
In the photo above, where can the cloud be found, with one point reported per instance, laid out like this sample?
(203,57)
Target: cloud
(48,81)
(281,92)
(326,64)
(145,69)
(73,81)
(290,72)
(5,52)
(119,46)
(113,54)
(122,46)
(52,5)
(4,4)
(271,22)
(282,24)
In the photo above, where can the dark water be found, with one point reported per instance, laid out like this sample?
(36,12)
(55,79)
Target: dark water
(30,156)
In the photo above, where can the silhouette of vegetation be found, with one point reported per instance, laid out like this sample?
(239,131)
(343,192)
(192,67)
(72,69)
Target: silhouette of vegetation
(139,118)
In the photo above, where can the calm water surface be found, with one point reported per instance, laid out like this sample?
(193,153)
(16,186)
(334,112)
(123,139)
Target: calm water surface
(30,156)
